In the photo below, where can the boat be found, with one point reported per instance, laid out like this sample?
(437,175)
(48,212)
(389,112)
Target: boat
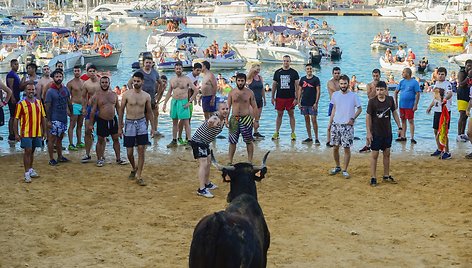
(460,59)
(5,58)
(399,66)
(99,60)
(441,36)
(226,62)
(382,45)
(236,13)
(112,13)
(168,42)
(390,12)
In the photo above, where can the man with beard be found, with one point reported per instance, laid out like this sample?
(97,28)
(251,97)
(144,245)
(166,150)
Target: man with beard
(152,85)
(179,110)
(463,87)
(333,86)
(106,102)
(240,100)
(76,116)
(57,105)
(30,113)
(137,104)
(89,88)
(346,109)
(371,93)
(43,83)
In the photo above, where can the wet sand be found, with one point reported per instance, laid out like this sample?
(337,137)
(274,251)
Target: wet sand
(78,215)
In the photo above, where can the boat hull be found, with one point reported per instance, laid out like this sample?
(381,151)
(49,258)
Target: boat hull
(223,64)
(99,61)
(69,60)
(460,59)
(446,41)
(271,54)
(385,45)
(217,20)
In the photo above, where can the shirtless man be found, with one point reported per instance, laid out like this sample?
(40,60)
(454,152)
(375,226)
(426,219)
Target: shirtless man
(241,121)
(333,86)
(194,76)
(89,88)
(76,117)
(137,104)
(106,102)
(371,93)
(179,110)
(43,82)
(209,88)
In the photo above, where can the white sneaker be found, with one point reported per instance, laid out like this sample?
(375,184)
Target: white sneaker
(465,137)
(33,173)
(211,186)
(100,162)
(346,175)
(460,138)
(27,177)
(205,192)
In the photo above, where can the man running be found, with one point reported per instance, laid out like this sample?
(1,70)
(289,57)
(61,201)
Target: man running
(30,113)
(76,117)
(137,105)
(333,86)
(346,109)
(89,88)
(43,83)
(200,143)
(57,106)
(240,100)
(371,93)
(409,90)
(106,103)
(284,95)
(179,110)
(209,88)
(309,97)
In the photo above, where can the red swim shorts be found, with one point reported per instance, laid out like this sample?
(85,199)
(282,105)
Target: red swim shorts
(284,104)
(406,113)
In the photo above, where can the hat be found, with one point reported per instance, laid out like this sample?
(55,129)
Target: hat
(409,50)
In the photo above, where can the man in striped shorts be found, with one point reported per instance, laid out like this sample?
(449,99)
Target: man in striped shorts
(30,113)
(200,143)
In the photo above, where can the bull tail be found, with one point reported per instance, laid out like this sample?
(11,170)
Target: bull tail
(204,247)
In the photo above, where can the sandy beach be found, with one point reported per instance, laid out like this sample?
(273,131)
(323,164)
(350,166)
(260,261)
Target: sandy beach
(78,215)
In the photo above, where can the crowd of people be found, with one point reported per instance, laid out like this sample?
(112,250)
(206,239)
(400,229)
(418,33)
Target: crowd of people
(88,99)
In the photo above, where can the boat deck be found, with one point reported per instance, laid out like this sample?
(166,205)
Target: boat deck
(336,12)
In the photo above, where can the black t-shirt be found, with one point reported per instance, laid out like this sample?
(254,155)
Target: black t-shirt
(463,91)
(380,113)
(286,83)
(309,90)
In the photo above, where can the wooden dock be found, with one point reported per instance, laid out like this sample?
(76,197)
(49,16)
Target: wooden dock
(336,12)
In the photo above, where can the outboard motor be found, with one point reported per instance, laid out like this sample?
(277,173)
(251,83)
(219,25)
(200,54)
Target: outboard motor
(315,56)
(143,55)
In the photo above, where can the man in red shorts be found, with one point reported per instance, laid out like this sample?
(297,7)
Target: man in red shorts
(409,90)
(284,95)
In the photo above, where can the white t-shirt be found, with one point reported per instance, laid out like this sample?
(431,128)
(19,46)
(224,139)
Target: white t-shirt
(346,105)
(446,85)
(193,78)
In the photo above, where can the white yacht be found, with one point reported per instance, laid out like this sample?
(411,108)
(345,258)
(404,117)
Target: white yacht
(235,13)
(114,13)
(391,12)
(269,53)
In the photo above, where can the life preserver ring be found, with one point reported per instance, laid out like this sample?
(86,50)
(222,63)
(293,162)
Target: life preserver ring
(108,48)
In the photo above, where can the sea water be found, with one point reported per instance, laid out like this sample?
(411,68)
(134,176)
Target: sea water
(353,35)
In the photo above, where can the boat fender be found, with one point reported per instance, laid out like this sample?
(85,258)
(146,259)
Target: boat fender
(108,48)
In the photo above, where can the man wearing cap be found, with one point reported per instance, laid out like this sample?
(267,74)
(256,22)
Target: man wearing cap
(411,57)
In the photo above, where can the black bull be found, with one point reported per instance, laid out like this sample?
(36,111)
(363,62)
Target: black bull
(238,236)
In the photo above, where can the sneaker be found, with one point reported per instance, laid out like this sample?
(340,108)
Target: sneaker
(158,134)
(121,162)
(328,144)
(389,179)
(211,186)
(172,144)
(373,182)
(33,173)
(258,135)
(446,156)
(468,156)
(141,182)
(436,153)
(80,145)
(413,141)
(400,139)
(317,142)
(72,148)
(346,175)
(62,159)
(459,138)
(53,162)
(275,136)
(86,159)
(27,177)
(100,163)
(465,137)
(365,149)
(180,141)
(335,171)
(132,175)
(293,136)
(308,140)
(205,192)
(184,142)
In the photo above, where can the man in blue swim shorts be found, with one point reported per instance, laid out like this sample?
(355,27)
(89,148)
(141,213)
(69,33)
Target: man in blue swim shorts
(76,118)
(209,88)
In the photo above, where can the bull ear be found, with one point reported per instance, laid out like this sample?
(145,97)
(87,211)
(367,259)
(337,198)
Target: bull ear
(262,173)
(225,175)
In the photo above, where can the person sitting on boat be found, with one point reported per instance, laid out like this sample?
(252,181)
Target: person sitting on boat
(400,56)
(388,56)
(465,27)
(324,25)
(454,30)
(170,26)
(211,54)
(411,57)
(332,43)
(225,50)
(282,40)
(447,29)
(39,50)
(378,37)
(312,41)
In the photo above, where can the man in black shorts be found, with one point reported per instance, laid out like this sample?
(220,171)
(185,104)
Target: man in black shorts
(106,103)
(379,130)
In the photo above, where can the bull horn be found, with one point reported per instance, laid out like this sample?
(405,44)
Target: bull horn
(257,168)
(217,165)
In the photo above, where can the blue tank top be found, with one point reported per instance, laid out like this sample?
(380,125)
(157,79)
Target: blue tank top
(257,87)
